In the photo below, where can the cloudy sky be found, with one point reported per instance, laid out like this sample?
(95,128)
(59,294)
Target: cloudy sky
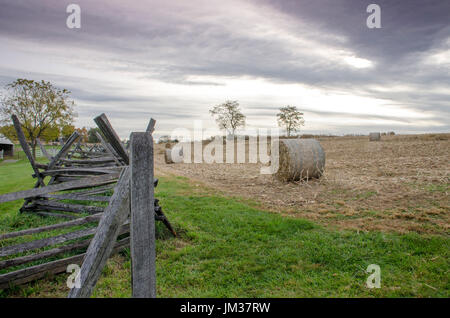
(174,60)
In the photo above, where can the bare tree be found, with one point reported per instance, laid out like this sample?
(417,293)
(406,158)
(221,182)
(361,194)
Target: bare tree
(228,116)
(290,118)
(38,105)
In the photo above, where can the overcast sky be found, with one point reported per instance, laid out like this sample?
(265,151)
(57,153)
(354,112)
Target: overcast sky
(174,60)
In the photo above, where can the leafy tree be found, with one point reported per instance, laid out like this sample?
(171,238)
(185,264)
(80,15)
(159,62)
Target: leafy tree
(228,116)
(38,105)
(9,132)
(92,137)
(67,130)
(50,134)
(83,134)
(290,118)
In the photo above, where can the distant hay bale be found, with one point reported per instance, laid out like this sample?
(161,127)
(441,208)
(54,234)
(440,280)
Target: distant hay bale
(299,159)
(168,157)
(374,136)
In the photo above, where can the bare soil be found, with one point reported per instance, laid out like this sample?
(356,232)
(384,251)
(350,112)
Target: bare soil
(399,184)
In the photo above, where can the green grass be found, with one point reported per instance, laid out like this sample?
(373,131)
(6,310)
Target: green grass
(227,248)
(15,177)
(439,187)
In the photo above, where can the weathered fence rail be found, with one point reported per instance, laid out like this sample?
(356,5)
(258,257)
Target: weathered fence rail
(104,173)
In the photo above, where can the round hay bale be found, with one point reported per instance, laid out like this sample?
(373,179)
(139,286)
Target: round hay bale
(299,159)
(170,152)
(168,155)
(374,136)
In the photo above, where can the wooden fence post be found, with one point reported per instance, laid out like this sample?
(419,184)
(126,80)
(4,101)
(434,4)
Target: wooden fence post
(105,237)
(142,230)
(111,136)
(44,151)
(108,148)
(151,126)
(26,149)
(64,150)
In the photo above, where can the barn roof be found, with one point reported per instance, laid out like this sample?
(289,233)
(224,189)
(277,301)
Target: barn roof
(5,141)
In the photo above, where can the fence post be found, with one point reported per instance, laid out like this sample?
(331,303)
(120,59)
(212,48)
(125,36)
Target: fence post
(26,149)
(43,150)
(142,209)
(111,137)
(105,237)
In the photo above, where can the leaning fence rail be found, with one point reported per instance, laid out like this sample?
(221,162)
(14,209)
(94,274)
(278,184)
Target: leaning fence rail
(86,175)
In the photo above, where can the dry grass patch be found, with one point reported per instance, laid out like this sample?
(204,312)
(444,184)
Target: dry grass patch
(398,184)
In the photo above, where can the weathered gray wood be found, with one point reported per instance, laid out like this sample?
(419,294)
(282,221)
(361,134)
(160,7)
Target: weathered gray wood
(32,245)
(112,137)
(103,242)
(42,270)
(151,126)
(54,251)
(63,151)
(93,166)
(41,166)
(46,254)
(35,272)
(108,148)
(142,231)
(75,184)
(93,161)
(69,177)
(79,221)
(60,179)
(78,171)
(26,149)
(67,207)
(53,214)
(96,190)
(74,196)
(44,151)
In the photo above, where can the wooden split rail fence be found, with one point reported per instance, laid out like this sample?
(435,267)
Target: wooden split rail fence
(106,195)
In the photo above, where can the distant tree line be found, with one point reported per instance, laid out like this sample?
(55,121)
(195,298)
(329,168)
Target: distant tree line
(47,112)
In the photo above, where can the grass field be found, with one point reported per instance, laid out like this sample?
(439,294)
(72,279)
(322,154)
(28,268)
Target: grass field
(228,247)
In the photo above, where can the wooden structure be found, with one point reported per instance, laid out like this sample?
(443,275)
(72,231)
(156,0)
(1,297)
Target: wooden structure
(6,147)
(79,191)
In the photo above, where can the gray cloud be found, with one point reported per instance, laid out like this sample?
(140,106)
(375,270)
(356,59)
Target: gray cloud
(173,42)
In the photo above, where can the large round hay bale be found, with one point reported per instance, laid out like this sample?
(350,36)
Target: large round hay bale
(169,154)
(299,159)
(374,136)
